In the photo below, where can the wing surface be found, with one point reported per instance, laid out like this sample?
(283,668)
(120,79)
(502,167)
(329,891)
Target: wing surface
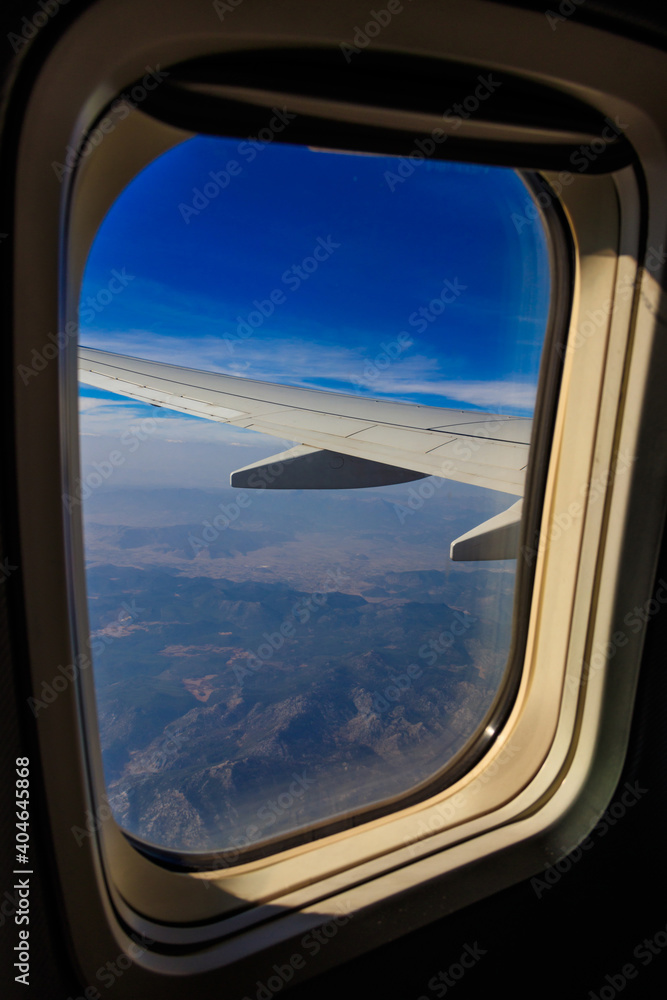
(472,447)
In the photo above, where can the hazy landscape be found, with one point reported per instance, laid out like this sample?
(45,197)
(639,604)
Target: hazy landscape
(317,654)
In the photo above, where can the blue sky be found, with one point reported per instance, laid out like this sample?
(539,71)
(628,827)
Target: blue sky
(432,272)
(195,278)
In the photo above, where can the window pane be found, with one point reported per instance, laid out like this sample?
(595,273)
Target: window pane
(267,658)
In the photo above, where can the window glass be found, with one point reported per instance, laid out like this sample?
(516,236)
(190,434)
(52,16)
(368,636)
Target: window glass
(269,658)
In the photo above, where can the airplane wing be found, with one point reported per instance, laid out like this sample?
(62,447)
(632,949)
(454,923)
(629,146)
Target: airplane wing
(346,441)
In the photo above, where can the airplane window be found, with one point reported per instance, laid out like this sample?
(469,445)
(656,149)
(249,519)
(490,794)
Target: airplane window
(307,384)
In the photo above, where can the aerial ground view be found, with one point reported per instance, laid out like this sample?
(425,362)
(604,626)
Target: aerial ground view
(266,659)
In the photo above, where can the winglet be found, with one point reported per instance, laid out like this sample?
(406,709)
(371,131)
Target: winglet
(497,538)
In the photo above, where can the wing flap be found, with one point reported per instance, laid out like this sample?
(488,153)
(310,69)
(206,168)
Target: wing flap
(304,468)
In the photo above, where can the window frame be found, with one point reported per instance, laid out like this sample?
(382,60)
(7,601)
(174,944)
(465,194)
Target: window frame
(534,814)
(120,156)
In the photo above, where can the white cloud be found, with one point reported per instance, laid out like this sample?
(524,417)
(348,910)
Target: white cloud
(263,358)
(520,395)
(111,419)
(306,363)
(512,396)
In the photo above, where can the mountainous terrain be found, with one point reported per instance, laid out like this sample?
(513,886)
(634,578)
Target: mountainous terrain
(313,656)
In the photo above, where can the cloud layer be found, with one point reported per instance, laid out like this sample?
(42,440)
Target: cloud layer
(410,376)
